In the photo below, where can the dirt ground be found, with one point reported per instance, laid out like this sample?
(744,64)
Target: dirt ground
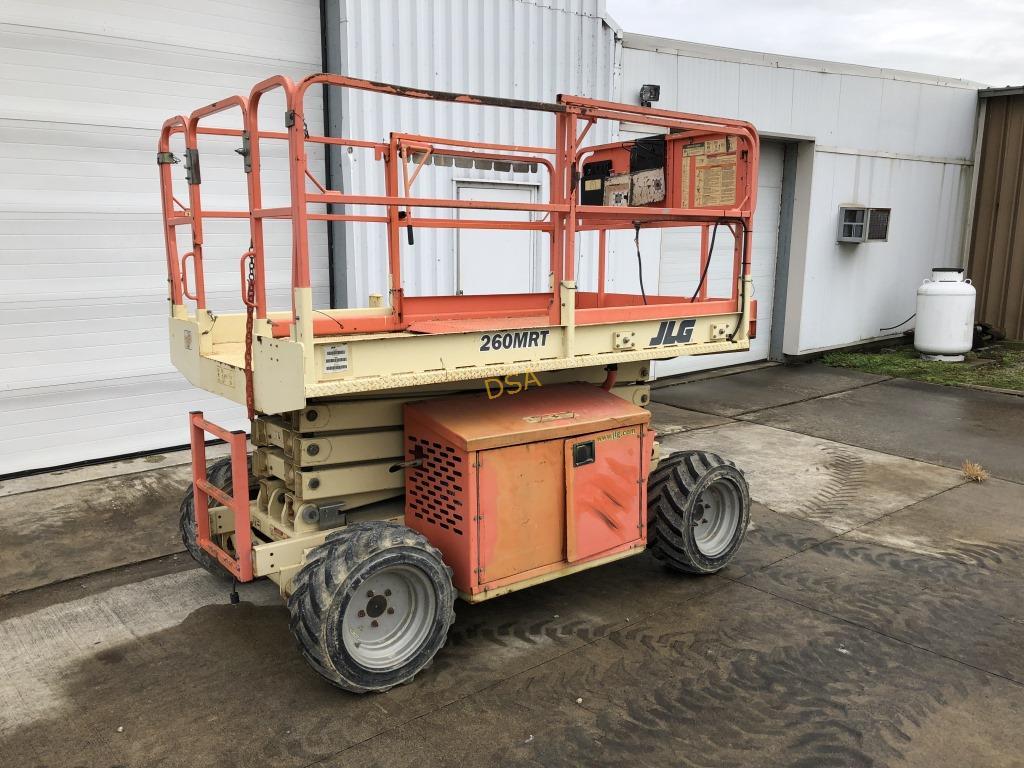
(873,617)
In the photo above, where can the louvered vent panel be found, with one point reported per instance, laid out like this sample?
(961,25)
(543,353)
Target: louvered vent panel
(436,491)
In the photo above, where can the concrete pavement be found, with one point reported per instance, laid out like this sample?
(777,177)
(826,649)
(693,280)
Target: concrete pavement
(872,617)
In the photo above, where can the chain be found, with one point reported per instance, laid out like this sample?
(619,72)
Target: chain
(250,312)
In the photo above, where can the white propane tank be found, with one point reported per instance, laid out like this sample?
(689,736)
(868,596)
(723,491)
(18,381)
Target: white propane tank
(945,315)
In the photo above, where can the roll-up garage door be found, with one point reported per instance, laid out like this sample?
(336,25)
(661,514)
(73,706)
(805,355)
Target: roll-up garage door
(84,369)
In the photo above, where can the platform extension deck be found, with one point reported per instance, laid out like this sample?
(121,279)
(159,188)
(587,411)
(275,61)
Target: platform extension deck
(359,363)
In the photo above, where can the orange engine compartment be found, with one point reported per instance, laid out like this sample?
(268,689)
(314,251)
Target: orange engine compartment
(522,487)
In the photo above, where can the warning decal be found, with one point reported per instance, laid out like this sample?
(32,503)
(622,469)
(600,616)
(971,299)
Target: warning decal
(713,146)
(684,200)
(715,183)
(647,187)
(335,358)
(616,189)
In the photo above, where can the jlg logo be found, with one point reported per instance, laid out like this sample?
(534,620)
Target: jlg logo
(667,333)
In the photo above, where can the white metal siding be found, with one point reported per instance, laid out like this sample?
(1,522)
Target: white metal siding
(84,368)
(524,49)
(882,138)
(851,292)
(837,105)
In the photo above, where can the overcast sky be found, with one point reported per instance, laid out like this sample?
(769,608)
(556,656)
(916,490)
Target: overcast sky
(981,40)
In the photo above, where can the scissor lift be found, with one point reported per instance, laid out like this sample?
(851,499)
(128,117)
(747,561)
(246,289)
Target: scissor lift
(385,477)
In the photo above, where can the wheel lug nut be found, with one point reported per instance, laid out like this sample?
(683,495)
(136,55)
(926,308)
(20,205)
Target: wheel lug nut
(361,614)
(374,623)
(391,610)
(370,593)
(387,593)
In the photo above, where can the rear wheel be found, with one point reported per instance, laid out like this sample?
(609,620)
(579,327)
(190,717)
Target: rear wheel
(219,475)
(698,510)
(371,606)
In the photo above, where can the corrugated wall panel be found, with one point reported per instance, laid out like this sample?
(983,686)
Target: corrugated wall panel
(882,139)
(84,368)
(997,241)
(516,49)
(845,106)
(852,291)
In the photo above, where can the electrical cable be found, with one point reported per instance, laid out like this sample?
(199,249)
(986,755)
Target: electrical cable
(639,262)
(331,317)
(893,327)
(707,264)
(743,291)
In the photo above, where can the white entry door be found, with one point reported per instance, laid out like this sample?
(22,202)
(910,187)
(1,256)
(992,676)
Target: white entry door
(497,260)
(679,271)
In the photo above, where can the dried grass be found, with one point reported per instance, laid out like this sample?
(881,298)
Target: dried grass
(974,471)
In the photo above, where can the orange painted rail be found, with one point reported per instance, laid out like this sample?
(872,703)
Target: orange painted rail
(560,218)
(238,565)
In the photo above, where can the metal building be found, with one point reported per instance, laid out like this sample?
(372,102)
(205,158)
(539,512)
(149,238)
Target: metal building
(87,84)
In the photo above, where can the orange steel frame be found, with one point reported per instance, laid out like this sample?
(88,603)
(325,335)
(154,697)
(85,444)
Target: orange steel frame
(237,501)
(563,218)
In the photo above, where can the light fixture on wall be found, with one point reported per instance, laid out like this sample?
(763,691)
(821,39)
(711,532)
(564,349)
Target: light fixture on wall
(649,94)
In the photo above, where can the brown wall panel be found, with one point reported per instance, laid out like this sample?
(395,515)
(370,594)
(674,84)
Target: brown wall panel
(996,263)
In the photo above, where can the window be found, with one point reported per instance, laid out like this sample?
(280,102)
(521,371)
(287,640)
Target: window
(878,224)
(852,224)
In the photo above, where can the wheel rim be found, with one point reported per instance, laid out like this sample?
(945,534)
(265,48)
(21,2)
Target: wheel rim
(389,617)
(716,518)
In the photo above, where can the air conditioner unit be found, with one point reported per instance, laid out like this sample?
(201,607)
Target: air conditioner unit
(853,220)
(860,224)
(878,224)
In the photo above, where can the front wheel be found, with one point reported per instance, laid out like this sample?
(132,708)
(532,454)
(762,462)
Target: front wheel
(371,606)
(698,509)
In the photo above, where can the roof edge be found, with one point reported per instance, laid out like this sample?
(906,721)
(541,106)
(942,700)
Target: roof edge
(1009,90)
(610,21)
(721,53)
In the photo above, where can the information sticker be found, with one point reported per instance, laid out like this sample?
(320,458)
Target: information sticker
(335,358)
